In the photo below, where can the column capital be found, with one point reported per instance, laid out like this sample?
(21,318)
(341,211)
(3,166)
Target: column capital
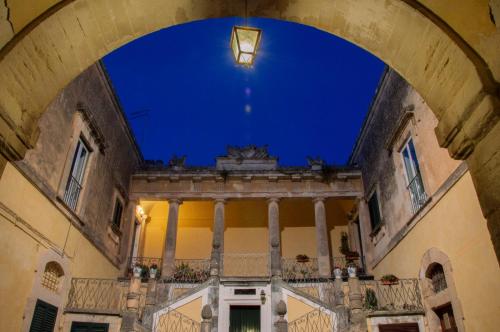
(318,199)
(219,200)
(273,199)
(177,201)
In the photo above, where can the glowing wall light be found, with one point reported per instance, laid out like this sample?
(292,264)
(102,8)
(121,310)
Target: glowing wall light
(244,43)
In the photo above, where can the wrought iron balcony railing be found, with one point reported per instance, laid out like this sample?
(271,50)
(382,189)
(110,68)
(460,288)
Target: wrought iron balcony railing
(97,296)
(246,265)
(145,261)
(72,193)
(320,320)
(417,193)
(403,295)
(174,321)
(191,271)
(299,270)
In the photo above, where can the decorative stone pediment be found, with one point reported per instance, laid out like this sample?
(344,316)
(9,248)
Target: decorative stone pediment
(247,158)
(177,163)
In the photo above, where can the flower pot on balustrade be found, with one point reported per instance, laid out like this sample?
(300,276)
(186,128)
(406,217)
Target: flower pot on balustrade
(302,258)
(137,271)
(351,270)
(389,279)
(337,272)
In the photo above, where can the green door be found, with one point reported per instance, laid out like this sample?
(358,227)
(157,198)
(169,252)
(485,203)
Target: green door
(89,327)
(244,318)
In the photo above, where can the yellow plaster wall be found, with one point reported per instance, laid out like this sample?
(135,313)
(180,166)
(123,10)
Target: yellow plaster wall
(192,309)
(296,308)
(20,250)
(456,227)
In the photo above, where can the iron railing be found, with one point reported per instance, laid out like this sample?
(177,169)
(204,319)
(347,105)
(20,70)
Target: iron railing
(174,321)
(191,271)
(317,320)
(403,295)
(145,261)
(97,295)
(417,193)
(72,193)
(294,270)
(246,265)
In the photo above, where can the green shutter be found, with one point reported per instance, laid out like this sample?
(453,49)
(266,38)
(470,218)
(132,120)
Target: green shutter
(44,317)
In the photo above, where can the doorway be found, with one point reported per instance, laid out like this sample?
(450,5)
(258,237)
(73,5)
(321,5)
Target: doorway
(404,327)
(244,318)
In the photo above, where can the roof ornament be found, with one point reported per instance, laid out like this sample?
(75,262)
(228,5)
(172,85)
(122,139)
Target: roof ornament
(315,163)
(177,163)
(247,152)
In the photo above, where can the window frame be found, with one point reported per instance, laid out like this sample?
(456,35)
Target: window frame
(375,227)
(417,197)
(117,227)
(75,181)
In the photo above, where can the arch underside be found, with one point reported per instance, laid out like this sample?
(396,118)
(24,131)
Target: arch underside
(37,65)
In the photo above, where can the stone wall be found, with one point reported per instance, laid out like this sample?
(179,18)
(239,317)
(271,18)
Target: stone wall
(87,108)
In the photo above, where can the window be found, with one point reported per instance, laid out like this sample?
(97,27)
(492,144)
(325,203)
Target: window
(52,276)
(414,179)
(117,215)
(437,277)
(89,327)
(74,185)
(44,317)
(373,207)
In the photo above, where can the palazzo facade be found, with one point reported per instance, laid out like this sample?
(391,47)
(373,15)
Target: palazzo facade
(94,238)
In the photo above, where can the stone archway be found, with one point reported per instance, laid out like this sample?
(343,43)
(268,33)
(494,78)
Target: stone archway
(447,64)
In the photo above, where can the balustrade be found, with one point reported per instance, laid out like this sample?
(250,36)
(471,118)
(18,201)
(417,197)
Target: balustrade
(174,321)
(246,265)
(104,296)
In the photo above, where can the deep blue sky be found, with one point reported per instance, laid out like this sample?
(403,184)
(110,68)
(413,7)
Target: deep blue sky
(307,93)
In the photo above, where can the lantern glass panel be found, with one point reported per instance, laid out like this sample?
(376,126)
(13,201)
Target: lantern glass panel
(244,44)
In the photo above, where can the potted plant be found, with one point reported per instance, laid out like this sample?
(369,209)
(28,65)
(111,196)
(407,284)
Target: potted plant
(345,250)
(302,258)
(153,270)
(371,302)
(137,270)
(337,272)
(389,279)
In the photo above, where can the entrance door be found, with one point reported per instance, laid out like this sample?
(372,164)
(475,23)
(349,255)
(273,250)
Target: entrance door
(244,318)
(89,327)
(405,327)
(445,314)
(44,317)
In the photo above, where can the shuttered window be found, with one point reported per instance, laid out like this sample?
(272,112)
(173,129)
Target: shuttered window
(89,327)
(44,317)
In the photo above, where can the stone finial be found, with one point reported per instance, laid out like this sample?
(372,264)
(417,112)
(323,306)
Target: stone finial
(206,312)
(316,164)
(281,308)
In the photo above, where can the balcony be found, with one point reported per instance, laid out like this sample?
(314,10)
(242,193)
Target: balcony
(417,193)
(72,193)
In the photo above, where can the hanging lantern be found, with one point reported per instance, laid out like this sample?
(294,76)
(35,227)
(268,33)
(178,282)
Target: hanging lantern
(244,43)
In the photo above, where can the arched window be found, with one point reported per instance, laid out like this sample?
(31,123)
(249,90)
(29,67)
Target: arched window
(436,274)
(52,276)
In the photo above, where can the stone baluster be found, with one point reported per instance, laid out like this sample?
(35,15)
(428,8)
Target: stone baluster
(168,265)
(216,260)
(274,236)
(324,266)
(355,297)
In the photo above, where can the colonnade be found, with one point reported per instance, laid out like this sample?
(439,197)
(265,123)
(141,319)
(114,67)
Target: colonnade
(216,258)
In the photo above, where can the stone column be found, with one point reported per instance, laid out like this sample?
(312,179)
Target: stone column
(365,228)
(322,238)
(216,259)
(274,235)
(168,264)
